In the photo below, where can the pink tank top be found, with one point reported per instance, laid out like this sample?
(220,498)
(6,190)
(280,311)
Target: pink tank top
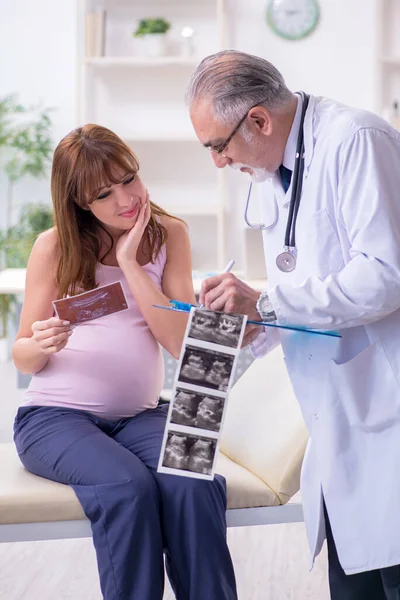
(112,366)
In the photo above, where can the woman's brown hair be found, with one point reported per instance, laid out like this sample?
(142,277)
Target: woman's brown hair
(86,160)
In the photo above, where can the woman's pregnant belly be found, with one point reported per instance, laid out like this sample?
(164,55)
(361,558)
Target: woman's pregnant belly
(111,367)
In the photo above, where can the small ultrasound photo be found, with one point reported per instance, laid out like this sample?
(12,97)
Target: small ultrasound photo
(188,452)
(87,306)
(206,368)
(194,409)
(218,328)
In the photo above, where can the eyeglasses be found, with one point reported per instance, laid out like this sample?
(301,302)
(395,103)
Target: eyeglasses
(223,146)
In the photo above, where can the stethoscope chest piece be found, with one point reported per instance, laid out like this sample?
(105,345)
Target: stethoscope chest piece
(286,262)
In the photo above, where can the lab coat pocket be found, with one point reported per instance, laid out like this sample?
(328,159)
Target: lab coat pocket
(367,389)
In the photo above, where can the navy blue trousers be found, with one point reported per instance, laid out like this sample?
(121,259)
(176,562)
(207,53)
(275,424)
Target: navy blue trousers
(136,513)
(380,584)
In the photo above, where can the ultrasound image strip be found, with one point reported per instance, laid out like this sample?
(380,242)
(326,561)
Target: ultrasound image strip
(197,410)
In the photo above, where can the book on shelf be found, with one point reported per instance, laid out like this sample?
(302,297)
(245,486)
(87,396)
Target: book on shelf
(95,25)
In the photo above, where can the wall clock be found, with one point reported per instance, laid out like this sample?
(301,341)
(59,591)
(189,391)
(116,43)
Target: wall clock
(293,19)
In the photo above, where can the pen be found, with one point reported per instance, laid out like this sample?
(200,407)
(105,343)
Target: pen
(228,268)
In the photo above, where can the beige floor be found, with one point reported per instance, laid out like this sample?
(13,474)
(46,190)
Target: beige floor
(271,562)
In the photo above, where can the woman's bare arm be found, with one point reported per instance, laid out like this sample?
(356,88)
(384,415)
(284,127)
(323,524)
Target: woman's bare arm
(167,327)
(39,334)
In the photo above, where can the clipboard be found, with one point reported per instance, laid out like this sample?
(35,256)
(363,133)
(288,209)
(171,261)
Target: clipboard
(179,306)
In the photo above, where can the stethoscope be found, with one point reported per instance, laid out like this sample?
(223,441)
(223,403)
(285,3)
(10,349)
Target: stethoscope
(286,261)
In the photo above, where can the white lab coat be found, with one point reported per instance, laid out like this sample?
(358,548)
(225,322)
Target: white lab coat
(348,279)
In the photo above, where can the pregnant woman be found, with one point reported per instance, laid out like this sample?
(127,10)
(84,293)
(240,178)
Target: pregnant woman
(90,418)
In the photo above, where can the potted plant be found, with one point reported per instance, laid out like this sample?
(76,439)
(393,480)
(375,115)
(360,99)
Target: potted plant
(153,31)
(15,246)
(25,144)
(7,305)
(25,149)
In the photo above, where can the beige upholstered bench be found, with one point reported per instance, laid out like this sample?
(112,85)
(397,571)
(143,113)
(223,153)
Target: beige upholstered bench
(262,448)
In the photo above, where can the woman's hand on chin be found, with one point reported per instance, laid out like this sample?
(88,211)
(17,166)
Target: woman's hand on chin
(128,243)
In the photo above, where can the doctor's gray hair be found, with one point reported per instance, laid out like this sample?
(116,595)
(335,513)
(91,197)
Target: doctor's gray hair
(234,82)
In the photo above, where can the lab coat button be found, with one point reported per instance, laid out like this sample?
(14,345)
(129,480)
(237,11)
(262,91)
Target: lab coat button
(315,415)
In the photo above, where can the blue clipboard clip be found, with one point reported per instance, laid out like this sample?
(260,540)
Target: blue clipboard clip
(179,306)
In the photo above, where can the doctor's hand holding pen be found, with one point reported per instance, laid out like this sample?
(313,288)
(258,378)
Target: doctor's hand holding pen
(226,293)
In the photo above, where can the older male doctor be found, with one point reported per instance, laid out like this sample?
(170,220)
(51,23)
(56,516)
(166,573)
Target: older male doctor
(333,263)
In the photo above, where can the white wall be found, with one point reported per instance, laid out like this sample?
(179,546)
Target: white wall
(38,50)
(338,60)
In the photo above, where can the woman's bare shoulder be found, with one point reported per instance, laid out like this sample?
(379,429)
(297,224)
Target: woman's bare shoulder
(45,247)
(173,226)
(47,240)
(177,243)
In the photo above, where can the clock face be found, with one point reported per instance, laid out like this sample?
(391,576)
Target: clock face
(293,19)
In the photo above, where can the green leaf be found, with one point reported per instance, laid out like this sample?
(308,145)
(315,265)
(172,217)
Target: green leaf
(146,26)
(26,146)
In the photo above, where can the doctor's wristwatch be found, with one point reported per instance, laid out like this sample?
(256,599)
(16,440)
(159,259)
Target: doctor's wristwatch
(265,308)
